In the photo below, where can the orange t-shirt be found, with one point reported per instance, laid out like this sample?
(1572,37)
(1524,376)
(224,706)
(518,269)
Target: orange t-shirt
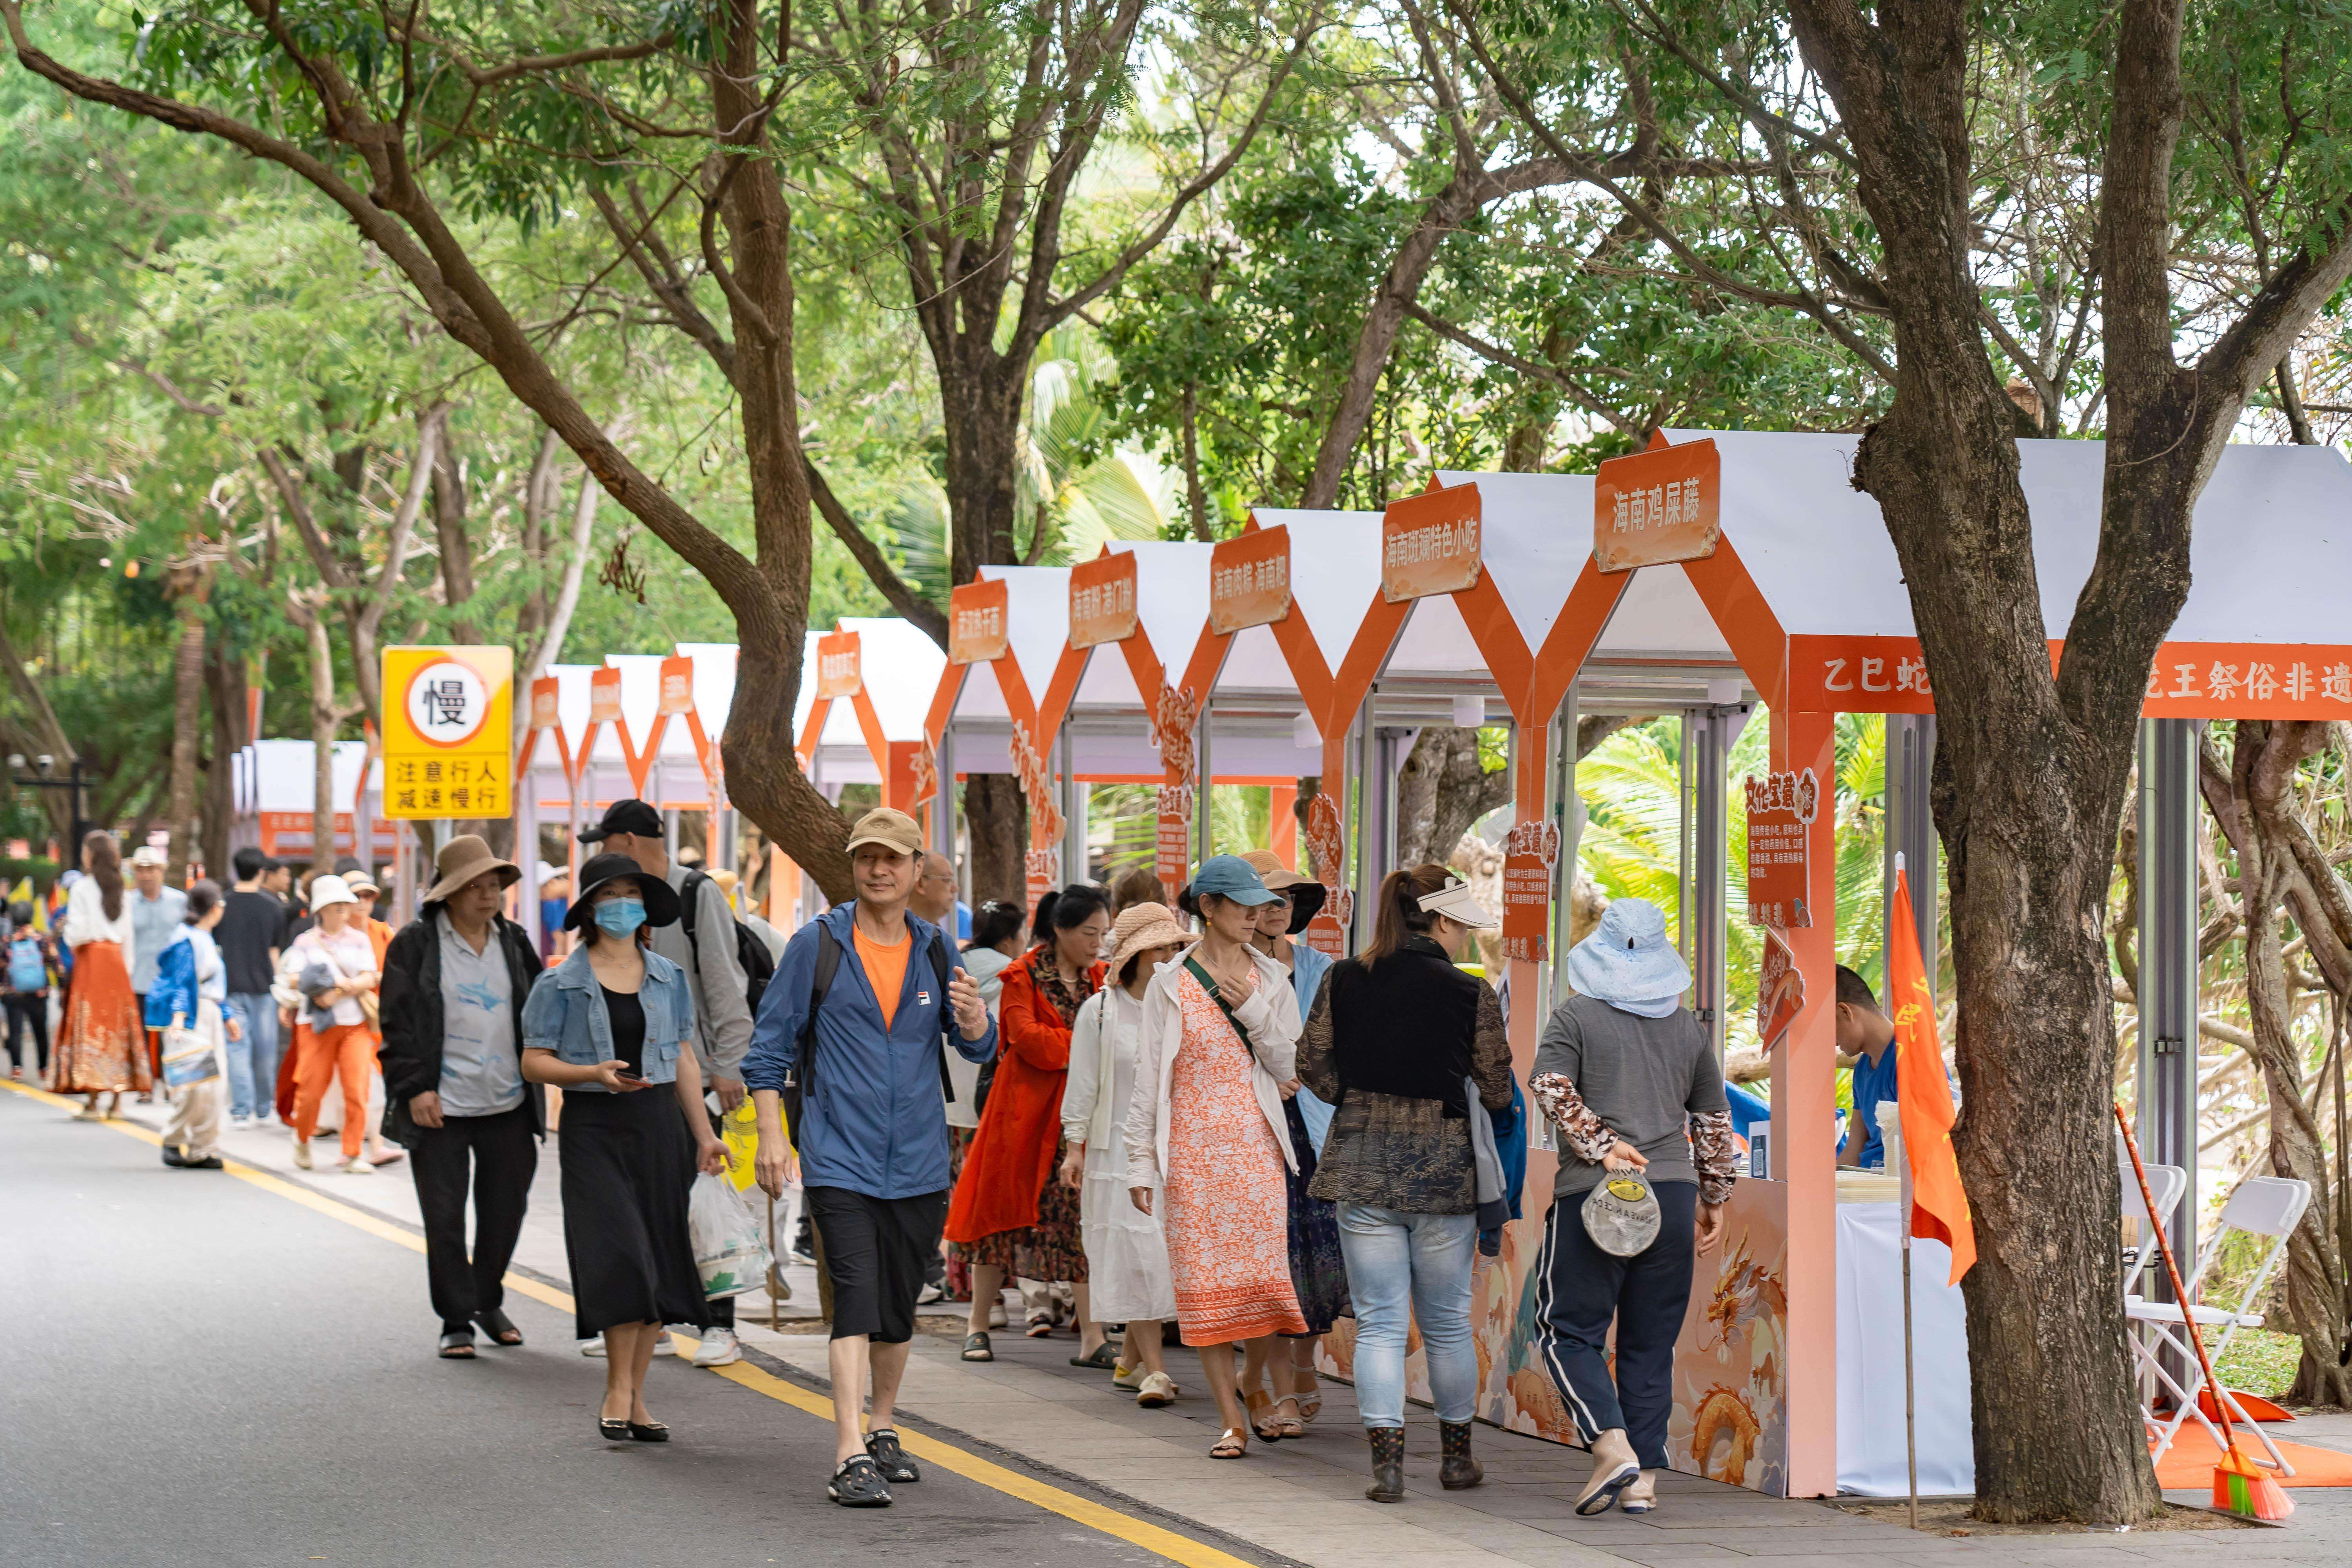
(886,969)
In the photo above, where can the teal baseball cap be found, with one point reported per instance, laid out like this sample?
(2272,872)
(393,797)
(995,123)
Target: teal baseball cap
(1230,876)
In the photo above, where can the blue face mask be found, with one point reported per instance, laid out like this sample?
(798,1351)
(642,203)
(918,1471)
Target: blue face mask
(621,917)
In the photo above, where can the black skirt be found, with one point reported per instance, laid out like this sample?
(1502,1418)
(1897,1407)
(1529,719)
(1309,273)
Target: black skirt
(628,1165)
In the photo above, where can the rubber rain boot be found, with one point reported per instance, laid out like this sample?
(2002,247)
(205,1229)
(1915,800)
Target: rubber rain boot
(1388,1464)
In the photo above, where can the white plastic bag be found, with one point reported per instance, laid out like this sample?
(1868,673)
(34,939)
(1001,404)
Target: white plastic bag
(729,1249)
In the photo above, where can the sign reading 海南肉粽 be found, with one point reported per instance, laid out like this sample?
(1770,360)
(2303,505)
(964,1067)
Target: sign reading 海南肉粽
(448,731)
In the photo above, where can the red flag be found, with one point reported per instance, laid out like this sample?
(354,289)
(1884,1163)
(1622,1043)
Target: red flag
(1940,1205)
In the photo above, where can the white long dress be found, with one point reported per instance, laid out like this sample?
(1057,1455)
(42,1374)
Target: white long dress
(1127,1254)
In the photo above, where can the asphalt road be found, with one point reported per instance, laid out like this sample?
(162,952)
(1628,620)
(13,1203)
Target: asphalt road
(203,1373)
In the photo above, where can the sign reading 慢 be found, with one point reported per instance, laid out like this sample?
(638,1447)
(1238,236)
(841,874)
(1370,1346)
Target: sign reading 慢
(1430,544)
(1102,600)
(977,621)
(1661,505)
(839,673)
(1780,809)
(1249,579)
(448,731)
(1530,851)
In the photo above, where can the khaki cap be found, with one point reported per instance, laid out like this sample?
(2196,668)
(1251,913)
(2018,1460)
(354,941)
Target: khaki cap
(891,829)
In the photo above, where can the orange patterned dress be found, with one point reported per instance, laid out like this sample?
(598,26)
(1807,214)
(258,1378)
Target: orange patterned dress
(1227,1204)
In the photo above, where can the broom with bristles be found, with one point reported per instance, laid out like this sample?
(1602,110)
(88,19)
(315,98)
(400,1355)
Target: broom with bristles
(2240,1486)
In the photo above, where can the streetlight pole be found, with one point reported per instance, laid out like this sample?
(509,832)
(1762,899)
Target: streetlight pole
(44,766)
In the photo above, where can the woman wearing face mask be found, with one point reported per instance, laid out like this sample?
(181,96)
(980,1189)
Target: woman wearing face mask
(610,1026)
(1317,1269)
(1396,1035)
(1011,1219)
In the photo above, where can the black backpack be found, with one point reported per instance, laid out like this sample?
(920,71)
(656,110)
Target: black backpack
(750,952)
(828,962)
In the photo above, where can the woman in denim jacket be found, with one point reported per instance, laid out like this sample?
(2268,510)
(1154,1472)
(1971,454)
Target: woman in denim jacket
(611,1024)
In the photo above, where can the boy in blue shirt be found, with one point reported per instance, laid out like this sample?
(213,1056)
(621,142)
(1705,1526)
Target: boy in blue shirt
(1865,1040)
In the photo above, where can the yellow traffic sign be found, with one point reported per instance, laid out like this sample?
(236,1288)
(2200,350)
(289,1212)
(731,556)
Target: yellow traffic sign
(448,731)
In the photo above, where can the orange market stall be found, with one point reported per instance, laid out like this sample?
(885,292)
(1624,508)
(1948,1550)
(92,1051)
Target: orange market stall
(1007,630)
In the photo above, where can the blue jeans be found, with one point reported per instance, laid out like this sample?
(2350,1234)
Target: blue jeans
(1416,1264)
(253,1058)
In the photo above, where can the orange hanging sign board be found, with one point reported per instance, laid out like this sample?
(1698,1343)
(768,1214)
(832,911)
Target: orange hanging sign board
(978,620)
(838,670)
(1249,579)
(1430,544)
(1171,731)
(1780,808)
(1102,599)
(1661,505)
(546,694)
(1780,989)
(604,695)
(448,731)
(1327,847)
(678,685)
(1530,851)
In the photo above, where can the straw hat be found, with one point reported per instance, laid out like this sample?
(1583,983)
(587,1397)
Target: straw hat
(1305,893)
(1141,927)
(461,860)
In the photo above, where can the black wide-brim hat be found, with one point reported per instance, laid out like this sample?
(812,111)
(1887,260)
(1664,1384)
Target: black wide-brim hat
(1307,900)
(661,898)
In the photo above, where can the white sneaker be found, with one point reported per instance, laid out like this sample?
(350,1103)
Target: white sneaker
(719,1348)
(302,1153)
(240,1124)
(594,1347)
(357,1165)
(996,1316)
(665,1345)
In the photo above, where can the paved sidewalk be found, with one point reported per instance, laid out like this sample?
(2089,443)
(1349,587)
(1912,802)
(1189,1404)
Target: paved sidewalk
(1304,1499)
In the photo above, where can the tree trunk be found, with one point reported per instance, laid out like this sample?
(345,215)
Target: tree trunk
(324,718)
(979,408)
(997,817)
(1442,791)
(457,549)
(224,685)
(187,701)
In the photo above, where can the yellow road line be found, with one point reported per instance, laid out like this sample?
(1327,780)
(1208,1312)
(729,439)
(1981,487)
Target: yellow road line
(1096,1516)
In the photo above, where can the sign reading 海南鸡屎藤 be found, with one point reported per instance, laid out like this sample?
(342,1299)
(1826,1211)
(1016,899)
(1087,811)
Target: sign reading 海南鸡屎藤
(1530,851)
(448,734)
(1430,543)
(1249,579)
(839,672)
(1102,599)
(1780,810)
(979,622)
(1650,507)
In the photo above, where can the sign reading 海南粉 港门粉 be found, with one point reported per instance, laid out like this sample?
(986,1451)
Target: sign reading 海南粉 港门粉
(978,622)
(838,670)
(1430,543)
(1654,507)
(448,731)
(1102,599)
(1249,579)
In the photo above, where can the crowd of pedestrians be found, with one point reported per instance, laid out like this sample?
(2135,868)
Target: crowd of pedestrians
(1195,1129)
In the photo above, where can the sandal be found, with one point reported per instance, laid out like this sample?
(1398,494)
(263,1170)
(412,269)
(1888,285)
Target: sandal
(976,1348)
(1310,1398)
(1040,1327)
(1104,1358)
(458,1345)
(1232,1445)
(1267,1426)
(499,1327)
(1290,1426)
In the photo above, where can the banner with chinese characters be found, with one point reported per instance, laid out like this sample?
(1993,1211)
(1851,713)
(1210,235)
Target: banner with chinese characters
(1172,733)
(1326,851)
(1780,989)
(838,672)
(1046,821)
(1653,507)
(1430,543)
(1249,579)
(1102,599)
(1530,852)
(1780,808)
(448,731)
(2189,679)
(978,622)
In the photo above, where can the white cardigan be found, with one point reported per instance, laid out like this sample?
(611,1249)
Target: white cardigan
(1094,1039)
(1271,1017)
(86,919)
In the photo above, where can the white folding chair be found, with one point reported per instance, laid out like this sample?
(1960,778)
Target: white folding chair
(2262,1206)
(2168,1182)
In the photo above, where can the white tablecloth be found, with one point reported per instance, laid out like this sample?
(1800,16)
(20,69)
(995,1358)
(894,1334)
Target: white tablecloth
(1870,1456)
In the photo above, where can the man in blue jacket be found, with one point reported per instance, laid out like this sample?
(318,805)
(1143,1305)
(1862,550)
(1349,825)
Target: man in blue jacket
(855,1014)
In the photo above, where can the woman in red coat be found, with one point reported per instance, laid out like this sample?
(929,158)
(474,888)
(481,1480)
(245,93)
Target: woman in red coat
(1009,1217)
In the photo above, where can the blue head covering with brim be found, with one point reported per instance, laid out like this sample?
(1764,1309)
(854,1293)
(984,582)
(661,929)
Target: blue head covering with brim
(1627,963)
(1230,876)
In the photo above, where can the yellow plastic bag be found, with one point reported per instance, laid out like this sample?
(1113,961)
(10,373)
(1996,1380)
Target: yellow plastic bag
(740,1131)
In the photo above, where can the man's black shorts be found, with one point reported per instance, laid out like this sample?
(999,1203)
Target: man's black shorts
(877,1251)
